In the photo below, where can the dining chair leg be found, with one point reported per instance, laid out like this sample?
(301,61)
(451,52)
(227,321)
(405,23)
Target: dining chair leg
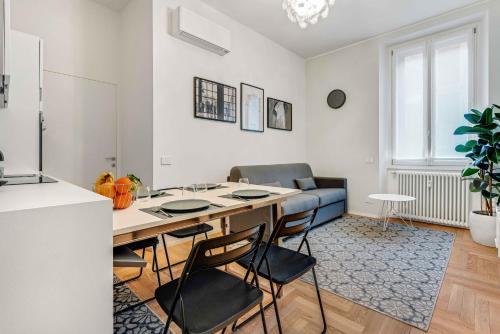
(192,243)
(168,266)
(319,300)
(224,330)
(275,302)
(263,316)
(155,261)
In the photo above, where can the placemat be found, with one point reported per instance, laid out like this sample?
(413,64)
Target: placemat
(174,214)
(164,195)
(229,196)
(216,188)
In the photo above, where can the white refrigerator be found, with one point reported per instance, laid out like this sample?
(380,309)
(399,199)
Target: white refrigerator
(20,98)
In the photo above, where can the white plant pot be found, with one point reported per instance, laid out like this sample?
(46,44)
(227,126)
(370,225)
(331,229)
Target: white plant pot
(482,228)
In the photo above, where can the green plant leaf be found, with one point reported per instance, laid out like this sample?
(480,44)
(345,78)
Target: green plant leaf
(486,117)
(472,118)
(471,156)
(486,136)
(484,185)
(495,176)
(490,127)
(484,150)
(463,149)
(477,149)
(492,154)
(471,143)
(465,130)
(481,163)
(488,195)
(475,111)
(470,171)
(475,186)
(496,106)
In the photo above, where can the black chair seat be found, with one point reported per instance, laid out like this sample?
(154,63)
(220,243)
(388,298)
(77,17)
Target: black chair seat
(286,265)
(210,298)
(125,257)
(191,231)
(141,244)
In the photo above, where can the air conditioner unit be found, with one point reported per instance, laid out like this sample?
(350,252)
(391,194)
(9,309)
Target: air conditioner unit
(199,31)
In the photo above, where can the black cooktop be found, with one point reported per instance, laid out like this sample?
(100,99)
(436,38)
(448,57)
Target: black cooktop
(26,179)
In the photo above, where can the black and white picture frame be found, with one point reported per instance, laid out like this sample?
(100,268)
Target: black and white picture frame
(214,101)
(251,108)
(279,114)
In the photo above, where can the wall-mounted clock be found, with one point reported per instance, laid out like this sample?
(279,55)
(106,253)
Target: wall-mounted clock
(336,98)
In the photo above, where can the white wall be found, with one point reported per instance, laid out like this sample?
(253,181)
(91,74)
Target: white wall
(81,49)
(340,142)
(205,150)
(81,36)
(136,90)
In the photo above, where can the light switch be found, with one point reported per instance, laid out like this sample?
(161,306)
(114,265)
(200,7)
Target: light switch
(166,160)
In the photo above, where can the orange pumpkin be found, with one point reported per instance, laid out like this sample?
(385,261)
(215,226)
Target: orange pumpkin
(123,201)
(106,189)
(123,185)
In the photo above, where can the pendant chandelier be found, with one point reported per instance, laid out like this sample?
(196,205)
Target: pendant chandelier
(305,12)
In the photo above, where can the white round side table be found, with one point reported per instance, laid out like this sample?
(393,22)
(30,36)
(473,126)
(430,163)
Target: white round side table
(389,202)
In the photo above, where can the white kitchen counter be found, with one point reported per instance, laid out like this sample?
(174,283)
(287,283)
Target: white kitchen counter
(33,196)
(56,256)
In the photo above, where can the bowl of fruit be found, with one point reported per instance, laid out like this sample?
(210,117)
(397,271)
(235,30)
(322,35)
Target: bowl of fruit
(121,191)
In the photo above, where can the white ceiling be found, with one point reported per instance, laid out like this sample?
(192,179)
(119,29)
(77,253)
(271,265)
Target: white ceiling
(114,4)
(350,21)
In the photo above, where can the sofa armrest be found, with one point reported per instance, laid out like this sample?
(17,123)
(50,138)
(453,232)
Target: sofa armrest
(331,182)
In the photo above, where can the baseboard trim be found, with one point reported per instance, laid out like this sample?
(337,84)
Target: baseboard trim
(363,214)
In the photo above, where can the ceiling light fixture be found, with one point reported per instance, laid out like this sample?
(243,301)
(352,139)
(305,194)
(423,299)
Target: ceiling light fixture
(306,12)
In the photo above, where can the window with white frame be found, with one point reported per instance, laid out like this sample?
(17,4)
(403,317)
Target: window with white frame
(432,88)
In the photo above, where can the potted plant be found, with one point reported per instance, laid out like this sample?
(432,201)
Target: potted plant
(484,176)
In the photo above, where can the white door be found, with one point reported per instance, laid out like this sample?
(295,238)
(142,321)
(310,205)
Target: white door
(81,136)
(19,123)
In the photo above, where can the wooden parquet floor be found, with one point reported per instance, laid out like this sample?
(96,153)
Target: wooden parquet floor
(469,300)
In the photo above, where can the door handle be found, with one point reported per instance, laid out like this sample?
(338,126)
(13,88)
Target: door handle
(110,158)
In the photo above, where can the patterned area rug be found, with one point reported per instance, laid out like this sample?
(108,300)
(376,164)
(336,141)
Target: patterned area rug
(139,320)
(397,272)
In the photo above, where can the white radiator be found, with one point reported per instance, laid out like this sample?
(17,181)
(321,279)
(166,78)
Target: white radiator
(442,198)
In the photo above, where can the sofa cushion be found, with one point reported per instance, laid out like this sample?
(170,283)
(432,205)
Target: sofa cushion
(306,183)
(276,184)
(283,173)
(327,196)
(299,203)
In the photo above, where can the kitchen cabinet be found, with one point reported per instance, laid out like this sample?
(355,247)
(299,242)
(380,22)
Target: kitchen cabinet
(56,253)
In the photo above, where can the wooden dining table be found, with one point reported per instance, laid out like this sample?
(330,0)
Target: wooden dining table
(133,224)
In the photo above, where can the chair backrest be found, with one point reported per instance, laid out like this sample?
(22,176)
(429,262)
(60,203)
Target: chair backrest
(202,256)
(293,224)
(290,225)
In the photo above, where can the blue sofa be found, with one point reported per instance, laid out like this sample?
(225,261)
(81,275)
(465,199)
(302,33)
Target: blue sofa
(330,195)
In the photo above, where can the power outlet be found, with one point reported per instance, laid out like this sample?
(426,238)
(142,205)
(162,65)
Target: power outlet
(166,160)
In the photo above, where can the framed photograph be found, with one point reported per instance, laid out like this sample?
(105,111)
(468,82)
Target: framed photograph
(251,108)
(279,114)
(214,101)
